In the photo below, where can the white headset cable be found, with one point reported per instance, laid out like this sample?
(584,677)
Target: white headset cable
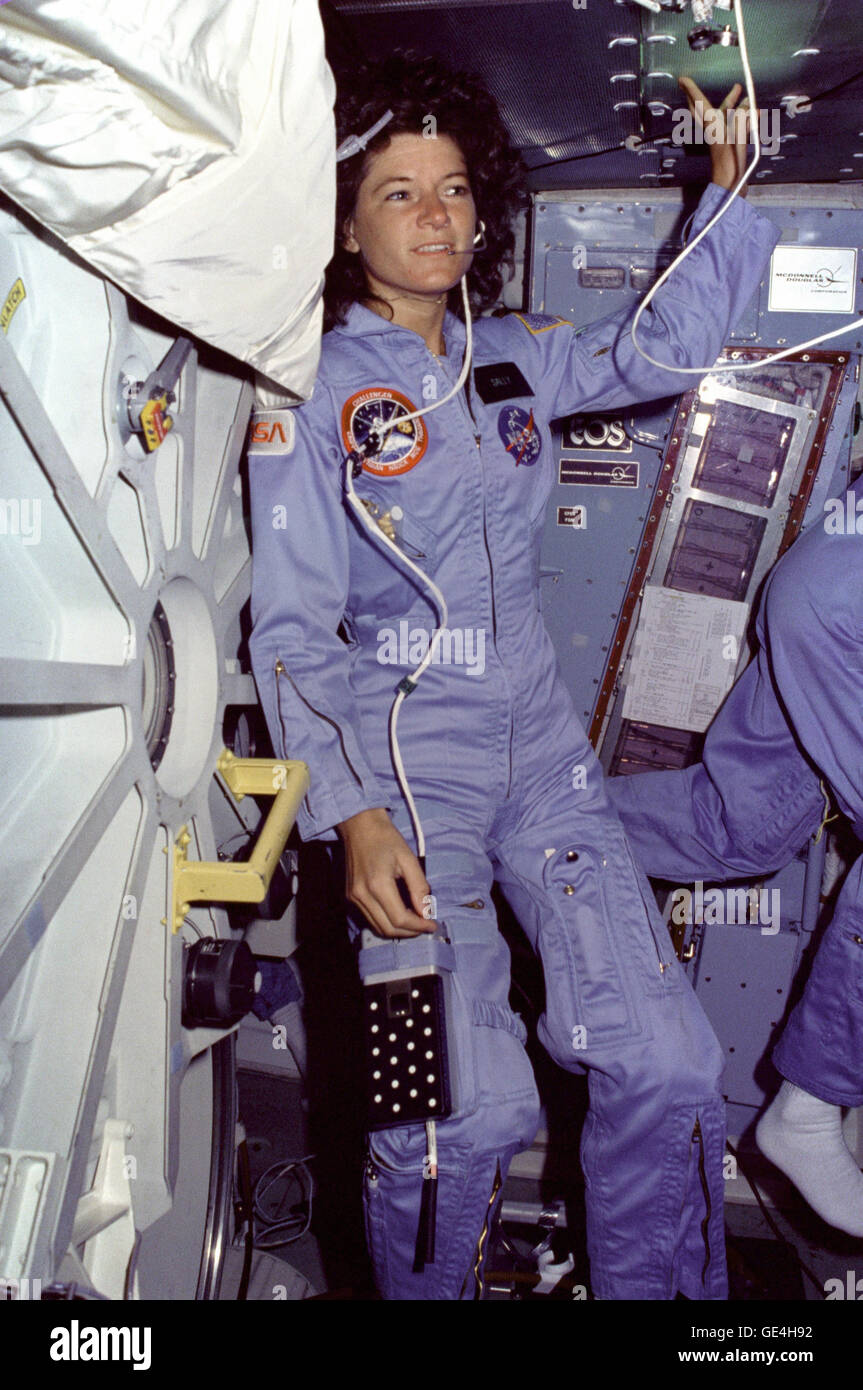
(408,684)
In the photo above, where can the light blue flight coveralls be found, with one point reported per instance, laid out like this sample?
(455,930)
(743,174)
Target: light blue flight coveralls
(792,718)
(506,783)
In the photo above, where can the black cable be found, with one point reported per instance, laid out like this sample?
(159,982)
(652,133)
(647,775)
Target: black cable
(131,1266)
(708,1210)
(562,140)
(855,77)
(240,835)
(573,158)
(272,1229)
(244,1172)
(424,1248)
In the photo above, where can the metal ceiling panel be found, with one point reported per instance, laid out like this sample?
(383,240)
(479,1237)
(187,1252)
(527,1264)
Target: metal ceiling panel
(575,83)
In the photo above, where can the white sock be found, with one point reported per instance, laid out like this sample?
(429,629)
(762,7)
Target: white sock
(802,1135)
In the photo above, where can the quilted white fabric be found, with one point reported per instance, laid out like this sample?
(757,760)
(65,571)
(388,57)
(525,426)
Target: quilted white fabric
(185,149)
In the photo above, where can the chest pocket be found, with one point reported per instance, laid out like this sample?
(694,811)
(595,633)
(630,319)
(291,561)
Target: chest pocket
(381,585)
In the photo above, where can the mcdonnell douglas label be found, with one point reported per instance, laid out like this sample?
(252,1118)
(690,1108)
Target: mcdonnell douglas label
(600,472)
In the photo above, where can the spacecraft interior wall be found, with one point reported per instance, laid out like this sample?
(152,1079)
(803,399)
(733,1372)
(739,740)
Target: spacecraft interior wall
(185,151)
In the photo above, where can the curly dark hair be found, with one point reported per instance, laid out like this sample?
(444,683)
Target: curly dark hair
(415,88)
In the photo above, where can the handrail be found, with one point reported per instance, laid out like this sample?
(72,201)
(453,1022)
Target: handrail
(200,881)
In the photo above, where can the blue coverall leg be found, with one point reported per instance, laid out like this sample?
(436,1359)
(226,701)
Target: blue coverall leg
(791,720)
(495,1086)
(617,1005)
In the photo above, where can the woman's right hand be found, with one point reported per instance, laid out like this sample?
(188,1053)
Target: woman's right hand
(727,139)
(376,858)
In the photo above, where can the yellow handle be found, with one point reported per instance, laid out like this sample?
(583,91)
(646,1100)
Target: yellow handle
(197,881)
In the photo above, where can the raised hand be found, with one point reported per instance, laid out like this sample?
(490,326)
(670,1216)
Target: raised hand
(724,133)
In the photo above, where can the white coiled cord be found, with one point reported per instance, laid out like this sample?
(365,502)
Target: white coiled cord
(408,684)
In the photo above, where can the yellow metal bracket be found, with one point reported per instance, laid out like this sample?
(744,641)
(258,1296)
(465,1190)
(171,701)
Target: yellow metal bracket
(196,881)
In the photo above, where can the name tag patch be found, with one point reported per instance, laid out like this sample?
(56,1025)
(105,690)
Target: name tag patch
(500,382)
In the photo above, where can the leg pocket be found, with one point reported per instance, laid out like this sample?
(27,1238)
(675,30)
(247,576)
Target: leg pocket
(660,960)
(589,995)
(401,1150)
(508,1097)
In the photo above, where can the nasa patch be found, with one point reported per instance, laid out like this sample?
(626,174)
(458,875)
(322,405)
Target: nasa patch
(370,412)
(272,432)
(521,438)
(541,323)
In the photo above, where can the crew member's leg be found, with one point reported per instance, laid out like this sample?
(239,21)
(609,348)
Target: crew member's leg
(813,626)
(813,629)
(619,1005)
(499,1108)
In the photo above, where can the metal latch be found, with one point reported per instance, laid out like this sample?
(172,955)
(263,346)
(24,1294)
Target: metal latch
(147,402)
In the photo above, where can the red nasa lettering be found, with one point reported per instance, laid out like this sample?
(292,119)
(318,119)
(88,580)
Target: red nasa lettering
(268,432)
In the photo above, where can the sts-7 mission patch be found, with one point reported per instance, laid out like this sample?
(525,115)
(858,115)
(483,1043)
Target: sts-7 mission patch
(370,412)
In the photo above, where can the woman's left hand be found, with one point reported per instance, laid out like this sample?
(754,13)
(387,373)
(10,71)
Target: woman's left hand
(728,138)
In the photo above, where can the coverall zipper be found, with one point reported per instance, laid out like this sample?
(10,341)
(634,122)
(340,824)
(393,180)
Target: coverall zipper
(482,1238)
(477,439)
(697,1137)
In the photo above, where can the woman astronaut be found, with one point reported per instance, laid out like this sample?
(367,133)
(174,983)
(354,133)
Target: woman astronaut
(506,785)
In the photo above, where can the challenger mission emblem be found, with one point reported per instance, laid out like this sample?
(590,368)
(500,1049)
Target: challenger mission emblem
(373,411)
